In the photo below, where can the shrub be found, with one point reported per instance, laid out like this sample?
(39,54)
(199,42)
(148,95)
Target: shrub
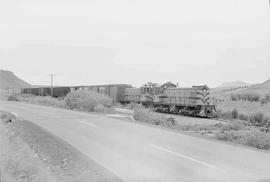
(102,109)
(267,121)
(231,126)
(12,98)
(267,97)
(257,119)
(48,101)
(243,117)
(132,105)
(252,97)
(254,137)
(263,101)
(234,114)
(234,97)
(148,116)
(225,115)
(87,101)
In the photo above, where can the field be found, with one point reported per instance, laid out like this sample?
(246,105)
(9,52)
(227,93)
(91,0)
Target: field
(234,131)
(244,107)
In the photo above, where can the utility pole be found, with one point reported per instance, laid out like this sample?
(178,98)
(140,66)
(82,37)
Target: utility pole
(51,75)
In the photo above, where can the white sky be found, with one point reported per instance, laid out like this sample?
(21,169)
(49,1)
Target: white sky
(136,41)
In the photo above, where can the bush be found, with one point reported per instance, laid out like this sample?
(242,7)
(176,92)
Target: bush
(267,97)
(234,114)
(148,116)
(231,126)
(12,98)
(263,101)
(257,119)
(234,97)
(267,121)
(225,115)
(102,109)
(243,117)
(48,101)
(87,101)
(252,97)
(254,138)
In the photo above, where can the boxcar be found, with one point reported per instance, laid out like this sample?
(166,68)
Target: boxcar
(115,91)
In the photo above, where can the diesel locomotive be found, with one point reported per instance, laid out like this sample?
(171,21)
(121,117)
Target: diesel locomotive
(170,98)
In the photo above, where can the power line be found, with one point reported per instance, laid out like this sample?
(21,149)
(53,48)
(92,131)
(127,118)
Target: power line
(51,75)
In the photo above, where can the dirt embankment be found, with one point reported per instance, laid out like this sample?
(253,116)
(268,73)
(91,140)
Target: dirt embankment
(60,159)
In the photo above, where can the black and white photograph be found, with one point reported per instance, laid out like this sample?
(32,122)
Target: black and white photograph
(134,91)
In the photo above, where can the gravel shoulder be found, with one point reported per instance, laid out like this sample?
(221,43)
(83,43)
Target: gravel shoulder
(63,160)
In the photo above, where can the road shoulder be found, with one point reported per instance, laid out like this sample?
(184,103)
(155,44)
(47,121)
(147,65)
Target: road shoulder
(61,159)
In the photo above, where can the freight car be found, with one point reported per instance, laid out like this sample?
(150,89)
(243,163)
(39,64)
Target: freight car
(114,91)
(46,91)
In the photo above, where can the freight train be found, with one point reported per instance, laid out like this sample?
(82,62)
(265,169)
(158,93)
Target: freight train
(168,97)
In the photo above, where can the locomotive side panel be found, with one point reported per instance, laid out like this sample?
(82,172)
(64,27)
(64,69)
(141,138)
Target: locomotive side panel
(138,95)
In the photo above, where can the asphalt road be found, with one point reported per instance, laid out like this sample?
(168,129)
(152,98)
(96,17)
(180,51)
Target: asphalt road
(136,152)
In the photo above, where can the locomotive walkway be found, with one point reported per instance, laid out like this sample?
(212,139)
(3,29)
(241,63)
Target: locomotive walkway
(136,152)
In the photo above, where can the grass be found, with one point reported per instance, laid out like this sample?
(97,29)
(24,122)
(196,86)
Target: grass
(244,107)
(235,131)
(46,100)
(252,137)
(80,100)
(18,162)
(146,115)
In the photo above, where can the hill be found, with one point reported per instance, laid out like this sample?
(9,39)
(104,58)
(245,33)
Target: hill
(261,89)
(225,92)
(236,84)
(9,80)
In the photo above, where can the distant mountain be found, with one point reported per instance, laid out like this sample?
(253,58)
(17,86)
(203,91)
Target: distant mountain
(261,88)
(265,84)
(235,84)
(9,80)
(225,90)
